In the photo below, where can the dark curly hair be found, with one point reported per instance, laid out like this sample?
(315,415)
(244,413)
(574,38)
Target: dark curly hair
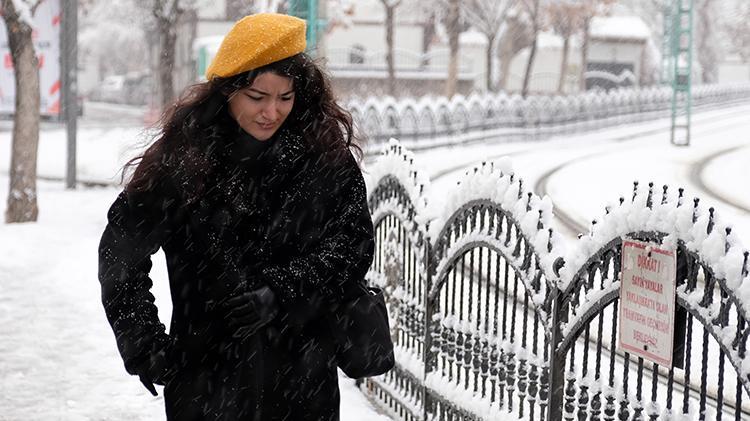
(186,147)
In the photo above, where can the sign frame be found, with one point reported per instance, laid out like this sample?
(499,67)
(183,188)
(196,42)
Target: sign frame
(647,310)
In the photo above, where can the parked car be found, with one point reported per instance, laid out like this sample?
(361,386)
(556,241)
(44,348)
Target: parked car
(133,89)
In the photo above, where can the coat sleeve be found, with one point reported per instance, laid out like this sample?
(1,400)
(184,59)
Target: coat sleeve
(134,232)
(342,256)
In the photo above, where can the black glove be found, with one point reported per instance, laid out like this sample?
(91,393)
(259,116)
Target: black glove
(155,370)
(249,311)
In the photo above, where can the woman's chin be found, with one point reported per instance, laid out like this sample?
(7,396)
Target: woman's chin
(261,134)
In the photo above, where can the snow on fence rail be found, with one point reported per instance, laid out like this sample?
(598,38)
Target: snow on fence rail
(494,314)
(429,120)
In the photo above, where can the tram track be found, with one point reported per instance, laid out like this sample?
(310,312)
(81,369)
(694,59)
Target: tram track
(696,177)
(695,170)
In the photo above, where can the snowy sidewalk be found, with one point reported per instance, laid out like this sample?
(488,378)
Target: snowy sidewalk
(58,359)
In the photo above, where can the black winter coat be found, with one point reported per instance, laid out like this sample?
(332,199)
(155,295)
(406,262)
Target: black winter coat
(290,217)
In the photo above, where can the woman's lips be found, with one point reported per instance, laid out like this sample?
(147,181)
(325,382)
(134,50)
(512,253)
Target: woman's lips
(267,126)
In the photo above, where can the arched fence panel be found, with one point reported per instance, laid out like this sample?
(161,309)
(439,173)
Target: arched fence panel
(708,378)
(492,318)
(397,196)
(536,115)
(489,318)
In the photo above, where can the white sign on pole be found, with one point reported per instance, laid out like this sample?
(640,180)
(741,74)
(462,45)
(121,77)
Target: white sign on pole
(46,36)
(647,301)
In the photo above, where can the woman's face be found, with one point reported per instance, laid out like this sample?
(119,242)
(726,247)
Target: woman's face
(261,108)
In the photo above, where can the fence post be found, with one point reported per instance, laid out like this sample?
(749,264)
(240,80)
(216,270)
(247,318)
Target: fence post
(428,310)
(557,360)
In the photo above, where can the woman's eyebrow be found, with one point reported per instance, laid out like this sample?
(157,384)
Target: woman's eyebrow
(266,93)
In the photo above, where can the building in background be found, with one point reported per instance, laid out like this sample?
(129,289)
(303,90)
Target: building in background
(617,51)
(356,53)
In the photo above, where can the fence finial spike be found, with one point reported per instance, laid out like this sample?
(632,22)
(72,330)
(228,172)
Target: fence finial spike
(728,232)
(744,264)
(549,241)
(635,190)
(649,197)
(696,201)
(710,226)
(528,201)
(520,188)
(664,194)
(680,192)
(540,224)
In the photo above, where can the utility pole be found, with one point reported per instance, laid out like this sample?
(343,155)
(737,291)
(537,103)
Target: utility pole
(308,10)
(69,91)
(667,57)
(682,58)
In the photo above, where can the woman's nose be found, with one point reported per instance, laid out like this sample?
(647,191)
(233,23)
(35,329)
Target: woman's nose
(271,110)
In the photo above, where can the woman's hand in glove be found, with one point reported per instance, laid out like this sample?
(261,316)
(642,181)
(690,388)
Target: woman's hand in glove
(156,369)
(250,311)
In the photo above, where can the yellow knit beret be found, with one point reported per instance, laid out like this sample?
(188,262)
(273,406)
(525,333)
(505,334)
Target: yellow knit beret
(257,40)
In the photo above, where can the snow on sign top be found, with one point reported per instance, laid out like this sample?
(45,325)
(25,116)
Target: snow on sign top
(619,27)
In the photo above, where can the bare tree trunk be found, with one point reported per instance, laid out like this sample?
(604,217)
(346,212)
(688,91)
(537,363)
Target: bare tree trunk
(166,26)
(490,45)
(453,31)
(563,66)
(167,40)
(428,34)
(706,46)
(389,51)
(515,38)
(529,66)
(584,54)
(22,204)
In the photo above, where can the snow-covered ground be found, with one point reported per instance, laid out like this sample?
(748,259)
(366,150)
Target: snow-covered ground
(58,359)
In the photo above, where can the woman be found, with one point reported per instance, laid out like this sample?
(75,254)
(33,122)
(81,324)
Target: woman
(253,194)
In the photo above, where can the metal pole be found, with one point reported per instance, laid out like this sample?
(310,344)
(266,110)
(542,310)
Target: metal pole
(682,52)
(69,93)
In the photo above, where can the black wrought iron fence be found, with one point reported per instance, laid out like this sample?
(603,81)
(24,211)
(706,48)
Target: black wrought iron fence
(421,121)
(492,318)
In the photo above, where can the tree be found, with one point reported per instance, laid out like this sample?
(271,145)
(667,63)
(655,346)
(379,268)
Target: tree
(737,29)
(488,16)
(589,9)
(167,14)
(453,27)
(565,17)
(532,8)
(22,204)
(707,46)
(513,39)
(114,26)
(390,8)
(450,23)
